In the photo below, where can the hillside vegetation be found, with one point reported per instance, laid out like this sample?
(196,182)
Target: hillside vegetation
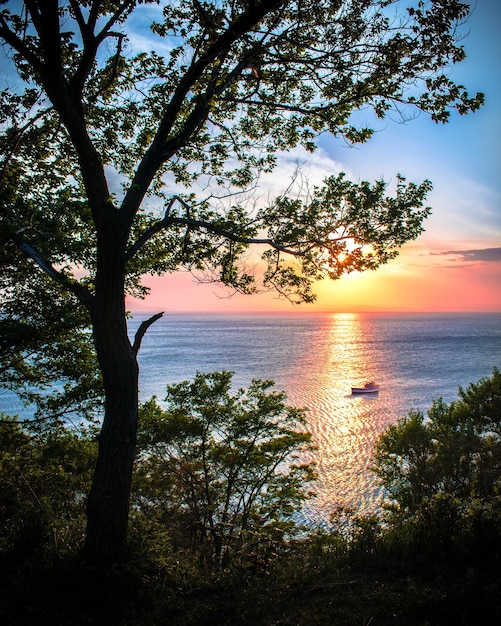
(212,536)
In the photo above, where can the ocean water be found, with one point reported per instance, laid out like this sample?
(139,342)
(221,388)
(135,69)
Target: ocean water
(316,359)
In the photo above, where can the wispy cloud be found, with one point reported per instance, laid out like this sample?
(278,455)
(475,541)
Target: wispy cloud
(488,255)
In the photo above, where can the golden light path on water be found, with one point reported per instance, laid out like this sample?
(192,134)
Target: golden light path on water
(345,427)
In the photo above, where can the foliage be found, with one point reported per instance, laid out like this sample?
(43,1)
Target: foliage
(217,476)
(220,470)
(442,473)
(45,476)
(239,83)
(364,571)
(117,162)
(46,353)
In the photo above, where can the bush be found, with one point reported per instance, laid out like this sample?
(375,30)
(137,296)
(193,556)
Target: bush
(442,472)
(45,477)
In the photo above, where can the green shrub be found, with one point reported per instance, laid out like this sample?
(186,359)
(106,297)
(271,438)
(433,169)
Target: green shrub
(222,471)
(442,474)
(45,478)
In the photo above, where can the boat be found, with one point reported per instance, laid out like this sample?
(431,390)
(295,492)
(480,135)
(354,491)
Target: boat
(367,388)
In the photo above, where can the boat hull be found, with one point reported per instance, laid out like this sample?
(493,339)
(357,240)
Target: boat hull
(359,390)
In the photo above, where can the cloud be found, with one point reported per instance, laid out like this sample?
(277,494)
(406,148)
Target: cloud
(489,255)
(305,167)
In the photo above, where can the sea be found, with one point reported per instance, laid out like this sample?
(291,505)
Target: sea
(316,359)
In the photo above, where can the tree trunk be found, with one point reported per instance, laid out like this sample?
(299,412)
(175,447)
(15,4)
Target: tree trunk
(108,501)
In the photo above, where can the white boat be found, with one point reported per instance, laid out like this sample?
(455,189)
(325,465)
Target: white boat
(367,388)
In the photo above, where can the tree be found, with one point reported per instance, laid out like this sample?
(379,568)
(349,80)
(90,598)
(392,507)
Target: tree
(442,471)
(221,470)
(46,473)
(46,354)
(101,140)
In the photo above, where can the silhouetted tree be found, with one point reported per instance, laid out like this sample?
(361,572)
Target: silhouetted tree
(96,134)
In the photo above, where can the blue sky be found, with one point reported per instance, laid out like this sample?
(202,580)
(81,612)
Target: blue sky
(463,157)
(456,263)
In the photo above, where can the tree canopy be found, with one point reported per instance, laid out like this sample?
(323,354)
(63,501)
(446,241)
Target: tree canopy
(98,123)
(222,469)
(441,471)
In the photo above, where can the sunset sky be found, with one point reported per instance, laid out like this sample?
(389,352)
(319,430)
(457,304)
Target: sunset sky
(456,264)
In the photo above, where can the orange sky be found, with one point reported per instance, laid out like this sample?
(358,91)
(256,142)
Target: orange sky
(415,281)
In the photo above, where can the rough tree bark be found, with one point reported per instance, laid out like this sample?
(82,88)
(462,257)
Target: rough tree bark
(108,501)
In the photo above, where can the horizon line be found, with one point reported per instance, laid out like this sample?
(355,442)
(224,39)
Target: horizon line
(315,312)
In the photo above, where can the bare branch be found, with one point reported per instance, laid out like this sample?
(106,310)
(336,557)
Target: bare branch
(92,40)
(114,74)
(30,489)
(143,327)
(231,236)
(299,249)
(82,25)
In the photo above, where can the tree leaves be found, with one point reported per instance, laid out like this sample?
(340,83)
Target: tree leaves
(223,465)
(236,83)
(455,451)
(105,146)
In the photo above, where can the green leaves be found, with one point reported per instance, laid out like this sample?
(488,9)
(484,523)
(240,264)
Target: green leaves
(455,450)
(225,465)
(124,155)
(334,229)
(46,353)
(442,475)
(45,477)
(341,227)
(225,88)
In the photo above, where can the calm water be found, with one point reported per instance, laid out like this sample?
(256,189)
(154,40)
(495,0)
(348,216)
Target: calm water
(316,359)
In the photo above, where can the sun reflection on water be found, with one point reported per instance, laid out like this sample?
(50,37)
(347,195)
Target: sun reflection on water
(316,359)
(344,427)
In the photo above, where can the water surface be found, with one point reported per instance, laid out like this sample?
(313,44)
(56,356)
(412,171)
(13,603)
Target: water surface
(316,359)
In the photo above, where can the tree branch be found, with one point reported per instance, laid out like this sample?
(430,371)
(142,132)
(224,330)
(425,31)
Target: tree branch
(9,153)
(143,327)
(50,46)
(231,236)
(66,102)
(92,41)
(81,292)
(114,73)
(150,232)
(82,24)
(13,40)
(157,152)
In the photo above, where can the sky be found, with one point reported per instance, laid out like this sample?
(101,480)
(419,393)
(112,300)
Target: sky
(456,264)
